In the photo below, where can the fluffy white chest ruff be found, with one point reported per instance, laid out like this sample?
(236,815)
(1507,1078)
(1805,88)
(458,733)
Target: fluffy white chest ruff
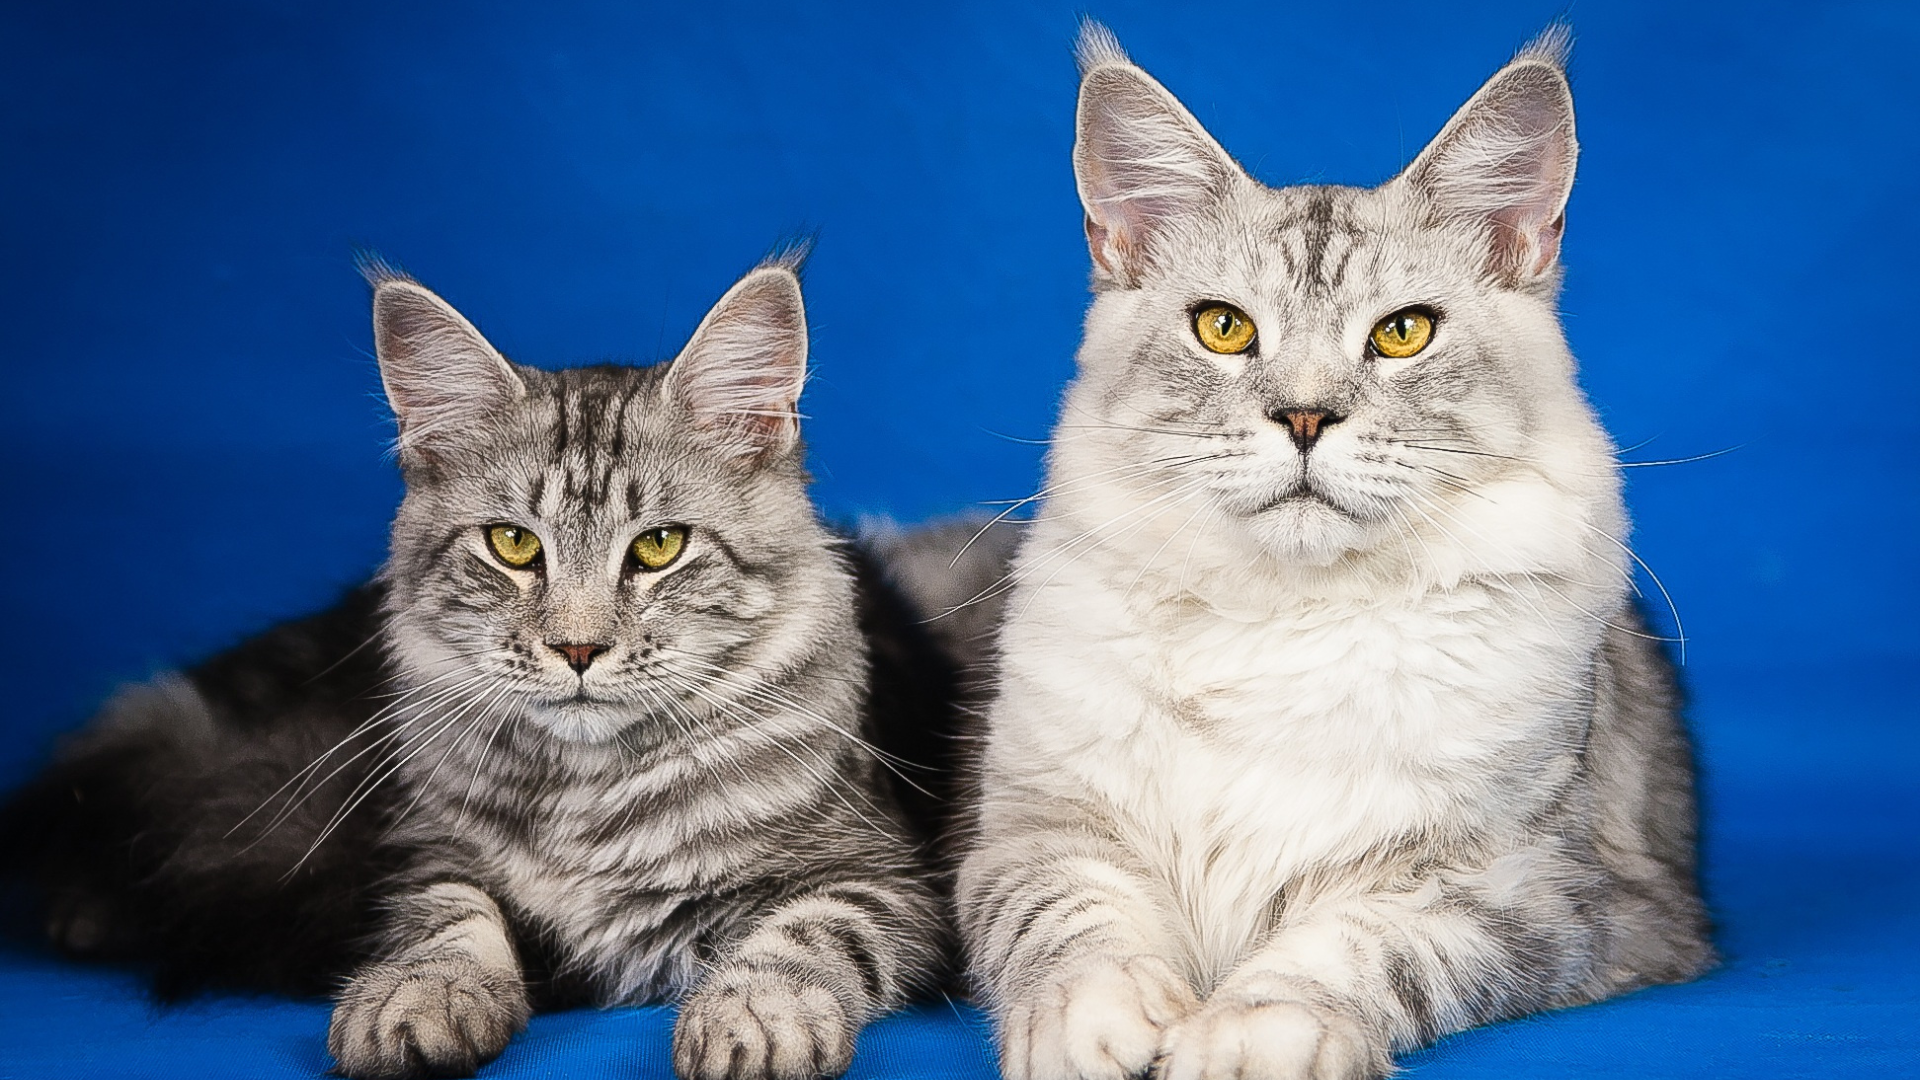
(1237,756)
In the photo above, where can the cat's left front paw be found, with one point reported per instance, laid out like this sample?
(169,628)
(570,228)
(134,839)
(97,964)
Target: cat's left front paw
(761,1025)
(1270,1040)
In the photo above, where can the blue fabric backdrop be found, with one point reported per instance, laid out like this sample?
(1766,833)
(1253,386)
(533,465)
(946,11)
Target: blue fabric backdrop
(193,449)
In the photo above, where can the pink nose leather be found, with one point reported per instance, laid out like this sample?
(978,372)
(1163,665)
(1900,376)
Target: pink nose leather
(578,656)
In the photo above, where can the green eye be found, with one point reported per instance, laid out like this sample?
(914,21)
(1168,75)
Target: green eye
(1403,333)
(656,549)
(513,545)
(1223,328)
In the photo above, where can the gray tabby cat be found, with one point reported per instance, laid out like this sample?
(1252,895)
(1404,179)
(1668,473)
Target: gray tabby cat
(1326,724)
(619,758)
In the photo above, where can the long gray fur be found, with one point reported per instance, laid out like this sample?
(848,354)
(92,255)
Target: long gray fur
(694,814)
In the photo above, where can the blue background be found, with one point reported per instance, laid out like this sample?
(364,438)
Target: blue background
(193,448)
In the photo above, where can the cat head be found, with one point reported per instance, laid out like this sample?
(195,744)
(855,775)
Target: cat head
(1325,368)
(600,549)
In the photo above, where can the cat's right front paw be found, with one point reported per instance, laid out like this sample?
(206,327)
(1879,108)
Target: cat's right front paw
(1102,1018)
(399,1021)
(762,1025)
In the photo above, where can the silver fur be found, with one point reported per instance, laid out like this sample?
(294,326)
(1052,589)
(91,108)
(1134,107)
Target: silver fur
(635,783)
(1306,753)
(691,814)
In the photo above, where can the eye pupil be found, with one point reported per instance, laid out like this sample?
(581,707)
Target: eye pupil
(1222,328)
(657,549)
(513,545)
(1404,333)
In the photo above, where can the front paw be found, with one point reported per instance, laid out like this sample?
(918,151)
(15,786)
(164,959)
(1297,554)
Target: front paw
(1283,1040)
(1100,1019)
(428,1018)
(761,1025)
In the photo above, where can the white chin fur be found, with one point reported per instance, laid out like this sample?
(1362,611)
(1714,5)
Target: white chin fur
(587,723)
(1306,532)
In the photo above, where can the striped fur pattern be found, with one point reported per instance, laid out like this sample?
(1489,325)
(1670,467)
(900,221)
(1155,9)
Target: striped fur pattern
(691,810)
(1309,750)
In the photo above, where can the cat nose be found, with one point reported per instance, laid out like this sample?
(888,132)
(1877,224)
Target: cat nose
(579,655)
(1305,425)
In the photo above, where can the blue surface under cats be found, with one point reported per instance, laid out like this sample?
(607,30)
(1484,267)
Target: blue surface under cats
(191,450)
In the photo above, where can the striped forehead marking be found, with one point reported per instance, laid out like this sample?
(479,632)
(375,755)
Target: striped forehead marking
(1318,242)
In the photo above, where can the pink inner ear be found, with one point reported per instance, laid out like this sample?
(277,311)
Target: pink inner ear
(1120,250)
(1524,243)
(1142,161)
(1547,244)
(1505,162)
(1098,243)
(741,374)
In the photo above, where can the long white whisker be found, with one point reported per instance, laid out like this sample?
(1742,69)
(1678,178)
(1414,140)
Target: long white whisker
(1015,576)
(388,714)
(727,708)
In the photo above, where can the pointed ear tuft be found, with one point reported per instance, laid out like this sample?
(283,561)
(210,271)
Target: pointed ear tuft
(441,376)
(1552,46)
(1097,46)
(1504,163)
(1143,163)
(741,374)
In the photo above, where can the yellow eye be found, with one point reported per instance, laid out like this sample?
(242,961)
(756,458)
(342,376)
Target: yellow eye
(1403,333)
(1223,328)
(513,545)
(656,549)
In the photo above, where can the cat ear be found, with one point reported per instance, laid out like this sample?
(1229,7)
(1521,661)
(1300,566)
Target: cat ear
(1142,161)
(1504,163)
(440,375)
(741,373)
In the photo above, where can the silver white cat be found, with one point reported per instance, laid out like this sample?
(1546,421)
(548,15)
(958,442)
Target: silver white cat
(1326,722)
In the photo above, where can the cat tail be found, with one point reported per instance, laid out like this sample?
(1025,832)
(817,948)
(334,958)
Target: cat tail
(84,831)
(129,838)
